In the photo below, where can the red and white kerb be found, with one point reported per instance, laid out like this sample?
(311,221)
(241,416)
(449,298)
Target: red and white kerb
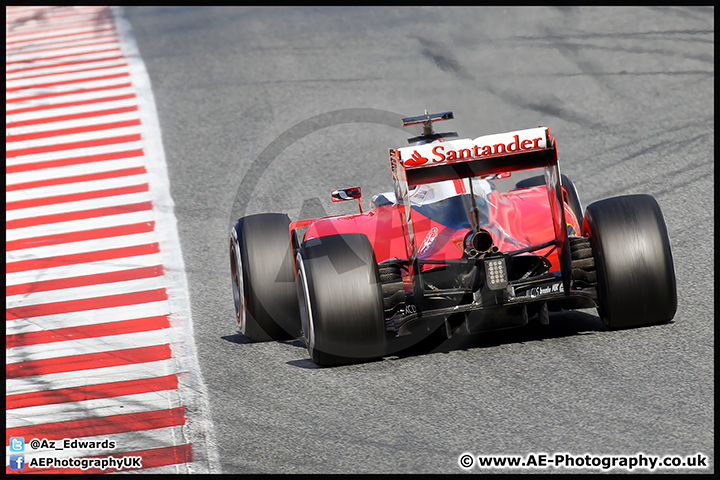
(98,332)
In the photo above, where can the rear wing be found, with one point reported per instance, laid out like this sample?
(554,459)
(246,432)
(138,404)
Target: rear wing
(490,154)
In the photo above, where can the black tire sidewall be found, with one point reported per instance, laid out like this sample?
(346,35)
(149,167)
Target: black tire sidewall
(345,299)
(268,277)
(636,278)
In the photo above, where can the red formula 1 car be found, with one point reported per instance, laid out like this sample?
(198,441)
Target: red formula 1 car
(460,246)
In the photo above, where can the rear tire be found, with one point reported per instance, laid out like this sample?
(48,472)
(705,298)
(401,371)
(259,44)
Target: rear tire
(263,278)
(635,273)
(341,303)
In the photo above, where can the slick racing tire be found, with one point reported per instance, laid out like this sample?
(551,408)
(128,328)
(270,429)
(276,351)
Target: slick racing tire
(635,273)
(263,278)
(567,184)
(341,302)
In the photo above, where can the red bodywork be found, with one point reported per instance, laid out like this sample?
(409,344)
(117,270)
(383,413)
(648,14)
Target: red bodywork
(526,219)
(516,219)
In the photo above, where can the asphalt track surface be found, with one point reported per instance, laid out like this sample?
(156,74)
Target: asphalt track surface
(246,95)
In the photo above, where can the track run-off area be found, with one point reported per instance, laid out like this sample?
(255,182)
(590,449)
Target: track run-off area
(100,357)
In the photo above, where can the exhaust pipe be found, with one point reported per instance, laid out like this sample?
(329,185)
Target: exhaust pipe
(482,241)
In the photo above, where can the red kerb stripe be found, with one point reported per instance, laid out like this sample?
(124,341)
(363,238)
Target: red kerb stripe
(67,82)
(79,215)
(90,427)
(73,116)
(84,280)
(68,72)
(28,33)
(58,23)
(94,303)
(65,64)
(77,48)
(57,13)
(87,361)
(62,12)
(71,63)
(89,101)
(73,145)
(76,197)
(67,92)
(125,172)
(77,258)
(89,31)
(72,130)
(63,162)
(121,327)
(37,59)
(20,41)
(92,392)
(79,236)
